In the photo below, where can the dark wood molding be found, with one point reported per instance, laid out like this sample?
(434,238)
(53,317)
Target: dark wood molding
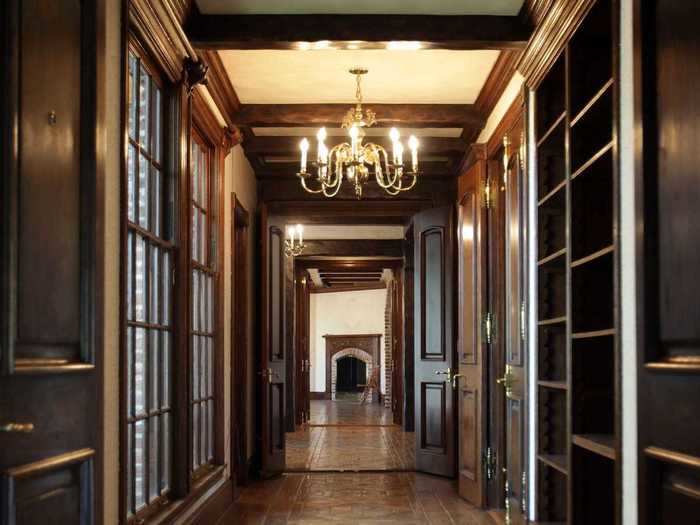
(220,88)
(373,31)
(509,119)
(336,263)
(150,29)
(350,210)
(496,83)
(343,248)
(215,506)
(289,145)
(356,288)
(319,396)
(182,9)
(550,37)
(331,115)
(534,11)
(476,152)
(206,122)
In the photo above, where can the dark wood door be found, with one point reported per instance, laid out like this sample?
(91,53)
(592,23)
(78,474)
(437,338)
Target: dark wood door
(301,341)
(514,373)
(434,341)
(397,323)
(50,327)
(471,347)
(272,372)
(668,236)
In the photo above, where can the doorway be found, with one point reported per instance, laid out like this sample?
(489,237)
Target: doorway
(346,365)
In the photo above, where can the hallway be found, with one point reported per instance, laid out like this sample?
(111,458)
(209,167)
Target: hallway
(345,435)
(358,498)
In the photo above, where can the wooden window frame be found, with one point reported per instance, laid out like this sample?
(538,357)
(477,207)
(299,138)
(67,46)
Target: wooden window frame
(183,112)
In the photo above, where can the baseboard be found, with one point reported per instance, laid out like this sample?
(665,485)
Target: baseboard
(318,396)
(212,509)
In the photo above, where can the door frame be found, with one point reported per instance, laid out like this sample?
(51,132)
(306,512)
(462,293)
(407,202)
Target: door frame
(240,224)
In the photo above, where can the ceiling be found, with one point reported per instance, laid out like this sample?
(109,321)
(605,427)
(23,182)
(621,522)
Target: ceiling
(339,231)
(395,77)
(408,7)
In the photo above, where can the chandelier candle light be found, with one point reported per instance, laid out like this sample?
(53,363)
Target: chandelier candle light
(357,161)
(294,243)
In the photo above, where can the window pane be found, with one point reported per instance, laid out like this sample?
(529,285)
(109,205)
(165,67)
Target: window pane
(154,357)
(210,382)
(139,464)
(130,469)
(153,470)
(144,115)
(154,281)
(157,124)
(195,232)
(195,367)
(167,280)
(203,370)
(140,295)
(165,340)
(157,199)
(140,370)
(131,183)
(144,207)
(195,299)
(195,435)
(195,171)
(203,174)
(165,464)
(210,301)
(131,90)
(130,276)
(203,434)
(130,371)
(203,238)
(210,430)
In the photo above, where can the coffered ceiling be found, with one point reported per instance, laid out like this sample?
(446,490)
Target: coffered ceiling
(407,7)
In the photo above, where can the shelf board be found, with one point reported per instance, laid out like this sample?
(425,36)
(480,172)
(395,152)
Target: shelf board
(551,129)
(593,256)
(551,257)
(593,334)
(598,154)
(601,444)
(591,102)
(551,193)
(553,320)
(556,461)
(556,385)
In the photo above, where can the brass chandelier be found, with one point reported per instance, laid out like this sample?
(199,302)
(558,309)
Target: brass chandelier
(356,161)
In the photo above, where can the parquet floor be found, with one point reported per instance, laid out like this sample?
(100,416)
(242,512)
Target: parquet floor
(345,435)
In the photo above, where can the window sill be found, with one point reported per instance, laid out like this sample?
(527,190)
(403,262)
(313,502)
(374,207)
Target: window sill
(171,509)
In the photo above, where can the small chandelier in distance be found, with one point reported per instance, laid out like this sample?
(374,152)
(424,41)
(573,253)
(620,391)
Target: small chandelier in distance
(355,162)
(294,246)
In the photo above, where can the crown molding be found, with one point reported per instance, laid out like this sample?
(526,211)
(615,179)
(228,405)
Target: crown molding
(550,37)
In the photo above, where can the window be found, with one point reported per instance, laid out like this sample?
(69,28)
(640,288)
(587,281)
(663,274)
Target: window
(203,341)
(148,275)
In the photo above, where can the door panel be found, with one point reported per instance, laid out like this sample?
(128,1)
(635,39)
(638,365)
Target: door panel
(397,324)
(471,346)
(272,372)
(668,228)
(435,340)
(515,279)
(49,323)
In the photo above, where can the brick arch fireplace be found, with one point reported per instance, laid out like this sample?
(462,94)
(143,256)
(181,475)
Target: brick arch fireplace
(364,347)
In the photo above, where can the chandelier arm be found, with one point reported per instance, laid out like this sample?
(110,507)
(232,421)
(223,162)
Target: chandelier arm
(413,183)
(310,190)
(385,180)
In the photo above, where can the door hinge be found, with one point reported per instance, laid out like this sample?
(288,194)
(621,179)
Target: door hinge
(489,463)
(488,324)
(488,198)
(523,320)
(523,501)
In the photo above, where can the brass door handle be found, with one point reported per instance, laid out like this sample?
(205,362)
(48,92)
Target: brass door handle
(507,381)
(454,379)
(23,428)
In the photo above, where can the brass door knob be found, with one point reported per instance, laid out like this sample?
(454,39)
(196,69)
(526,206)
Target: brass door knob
(24,428)
(507,381)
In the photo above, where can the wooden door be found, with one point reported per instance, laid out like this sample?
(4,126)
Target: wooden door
(50,279)
(272,372)
(301,339)
(472,348)
(514,373)
(434,341)
(239,339)
(397,349)
(668,236)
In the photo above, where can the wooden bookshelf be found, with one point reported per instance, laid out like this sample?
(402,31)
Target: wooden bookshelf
(578,349)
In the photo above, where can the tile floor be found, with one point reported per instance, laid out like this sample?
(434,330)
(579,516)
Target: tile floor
(353,498)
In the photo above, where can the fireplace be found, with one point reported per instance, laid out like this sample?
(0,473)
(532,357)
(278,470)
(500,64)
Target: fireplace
(364,347)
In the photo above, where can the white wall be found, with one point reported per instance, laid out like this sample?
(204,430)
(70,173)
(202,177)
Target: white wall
(341,313)
(240,179)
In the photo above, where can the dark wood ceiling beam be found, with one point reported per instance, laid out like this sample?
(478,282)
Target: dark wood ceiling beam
(290,145)
(358,31)
(331,115)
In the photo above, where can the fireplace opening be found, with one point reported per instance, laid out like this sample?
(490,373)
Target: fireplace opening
(352,374)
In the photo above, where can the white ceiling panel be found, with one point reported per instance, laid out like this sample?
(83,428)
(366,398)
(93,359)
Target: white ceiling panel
(365,7)
(337,231)
(321,76)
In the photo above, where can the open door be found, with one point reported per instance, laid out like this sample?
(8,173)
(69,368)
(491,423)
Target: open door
(434,341)
(301,340)
(514,373)
(472,348)
(397,322)
(51,265)
(272,372)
